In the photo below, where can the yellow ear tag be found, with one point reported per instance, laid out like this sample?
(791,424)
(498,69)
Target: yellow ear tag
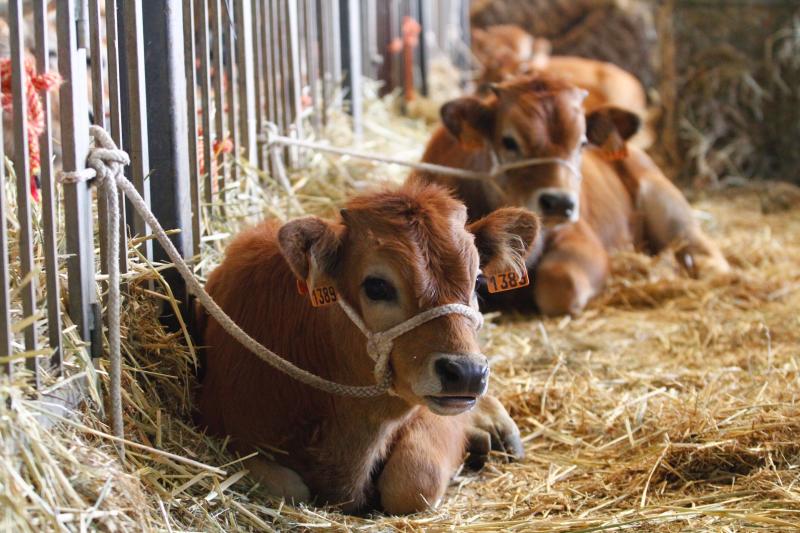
(507,281)
(322,296)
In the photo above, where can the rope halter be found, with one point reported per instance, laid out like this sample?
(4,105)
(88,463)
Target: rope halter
(380,344)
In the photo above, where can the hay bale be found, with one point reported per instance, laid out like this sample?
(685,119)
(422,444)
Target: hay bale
(737,87)
(622,32)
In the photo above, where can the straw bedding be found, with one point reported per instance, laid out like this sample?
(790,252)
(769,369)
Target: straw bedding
(670,404)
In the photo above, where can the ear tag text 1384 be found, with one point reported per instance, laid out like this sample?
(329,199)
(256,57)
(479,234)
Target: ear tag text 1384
(506,281)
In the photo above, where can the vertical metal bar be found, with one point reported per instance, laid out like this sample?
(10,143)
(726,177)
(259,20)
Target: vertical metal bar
(114,122)
(96,58)
(336,42)
(48,193)
(245,64)
(423,19)
(134,109)
(260,78)
(219,97)
(99,118)
(205,86)
(169,151)
(24,177)
(112,52)
(82,24)
(324,25)
(74,149)
(231,93)
(383,36)
(351,54)
(6,335)
(284,65)
(277,65)
(312,53)
(269,59)
(190,71)
(295,85)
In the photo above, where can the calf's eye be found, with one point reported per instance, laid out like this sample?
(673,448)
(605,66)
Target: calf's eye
(480,281)
(509,143)
(378,290)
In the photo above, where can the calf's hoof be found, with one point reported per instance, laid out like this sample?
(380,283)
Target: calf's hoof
(279,481)
(491,428)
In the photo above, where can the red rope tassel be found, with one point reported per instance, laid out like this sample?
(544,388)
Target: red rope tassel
(34,84)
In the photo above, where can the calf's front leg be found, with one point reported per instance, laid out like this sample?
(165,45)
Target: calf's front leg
(421,463)
(573,269)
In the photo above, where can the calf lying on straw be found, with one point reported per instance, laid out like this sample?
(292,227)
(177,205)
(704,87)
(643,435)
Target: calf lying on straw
(394,258)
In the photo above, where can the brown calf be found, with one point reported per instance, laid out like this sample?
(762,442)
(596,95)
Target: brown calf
(602,195)
(392,255)
(508,51)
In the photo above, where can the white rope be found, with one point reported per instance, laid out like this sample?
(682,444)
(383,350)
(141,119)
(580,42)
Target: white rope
(106,167)
(274,138)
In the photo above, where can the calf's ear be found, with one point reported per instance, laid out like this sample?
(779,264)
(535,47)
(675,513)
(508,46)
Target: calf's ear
(469,120)
(609,127)
(504,239)
(311,246)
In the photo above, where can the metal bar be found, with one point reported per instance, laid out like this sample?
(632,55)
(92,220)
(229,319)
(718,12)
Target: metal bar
(49,196)
(245,64)
(95,56)
(134,110)
(276,65)
(219,91)
(98,117)
(269,59)
(295,85)
(24,177)
(260,78)
(312,54)
(169,151)
(324,25)
(283,67)
(6,336)
(423,19)
(351,56)
(383,54)
(190,71)
(115,121)
(231,93)
(82,24)
(74,149)
(205,98)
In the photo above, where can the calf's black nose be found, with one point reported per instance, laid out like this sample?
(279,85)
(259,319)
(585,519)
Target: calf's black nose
(557,204)
(461,375)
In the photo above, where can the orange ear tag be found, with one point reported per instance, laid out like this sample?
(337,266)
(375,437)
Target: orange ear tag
(614,149)
(322,296)
(507,281)
(302,288)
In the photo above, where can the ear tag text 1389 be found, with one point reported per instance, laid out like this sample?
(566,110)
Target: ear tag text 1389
(320,296)
(506,281)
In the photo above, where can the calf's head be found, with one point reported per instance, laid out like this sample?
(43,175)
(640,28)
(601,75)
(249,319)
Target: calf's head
(539,117)
(395,254)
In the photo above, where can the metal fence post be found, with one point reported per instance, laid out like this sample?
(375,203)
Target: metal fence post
(134,102)
(83,308)
(245,63)
(351,59)
(170,187)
